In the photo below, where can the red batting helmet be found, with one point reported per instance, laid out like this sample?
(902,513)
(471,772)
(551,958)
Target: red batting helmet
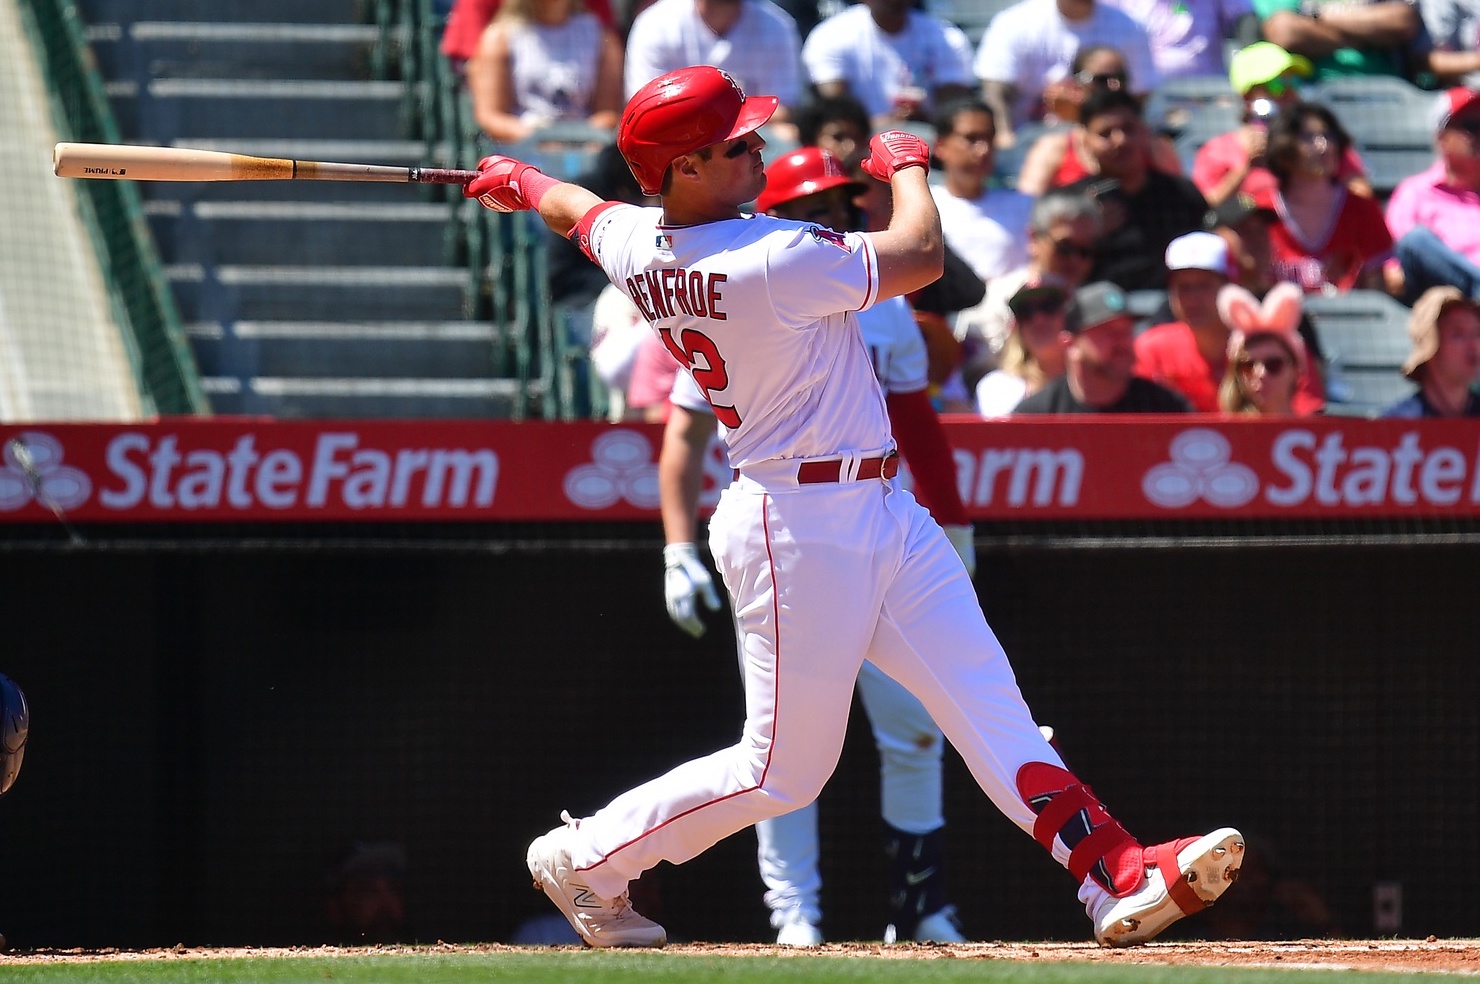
(678,113)
(800,173)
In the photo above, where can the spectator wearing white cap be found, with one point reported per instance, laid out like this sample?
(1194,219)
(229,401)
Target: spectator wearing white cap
(1445,362)
(1435,215)
(1188,354)
(1099,363)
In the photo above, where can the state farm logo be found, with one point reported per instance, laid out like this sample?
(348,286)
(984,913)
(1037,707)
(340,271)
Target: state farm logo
(622,467)
(33,469)
(1200,469)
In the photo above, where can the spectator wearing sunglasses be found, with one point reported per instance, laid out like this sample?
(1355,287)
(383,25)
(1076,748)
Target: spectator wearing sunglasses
(1268,79)
(1144,209)
(1099,363)
(1061,157)
(1033,354)
(1187,35)
(1445,361)
(1435,214)
(1062,232)
(1266,356)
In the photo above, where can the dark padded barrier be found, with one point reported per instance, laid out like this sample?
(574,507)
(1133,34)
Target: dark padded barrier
(213,724)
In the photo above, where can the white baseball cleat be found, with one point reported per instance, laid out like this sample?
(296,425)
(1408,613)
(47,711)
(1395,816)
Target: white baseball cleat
(1202,868)
(600,921)
(799,933)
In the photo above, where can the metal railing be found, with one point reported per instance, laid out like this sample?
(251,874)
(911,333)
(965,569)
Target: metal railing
(139,293)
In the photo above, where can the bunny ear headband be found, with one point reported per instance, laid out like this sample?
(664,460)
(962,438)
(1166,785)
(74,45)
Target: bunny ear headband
(1279,315)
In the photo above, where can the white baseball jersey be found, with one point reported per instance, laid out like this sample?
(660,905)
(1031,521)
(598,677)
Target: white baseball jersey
(762,52)
(851,47)
(781,292)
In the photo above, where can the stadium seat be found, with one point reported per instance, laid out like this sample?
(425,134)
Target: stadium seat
(1364,335)
(1379,111)
(1203,100)
(971,16)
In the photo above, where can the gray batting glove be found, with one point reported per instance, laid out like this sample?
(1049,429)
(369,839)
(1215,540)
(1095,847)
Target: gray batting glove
(685,578)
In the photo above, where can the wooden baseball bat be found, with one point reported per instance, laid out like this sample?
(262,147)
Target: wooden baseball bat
(134,163)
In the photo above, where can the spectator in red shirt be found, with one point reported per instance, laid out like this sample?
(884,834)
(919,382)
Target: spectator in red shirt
(1327,238)
(1189,355)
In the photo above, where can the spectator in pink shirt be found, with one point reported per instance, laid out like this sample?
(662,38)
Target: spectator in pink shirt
(1435,214)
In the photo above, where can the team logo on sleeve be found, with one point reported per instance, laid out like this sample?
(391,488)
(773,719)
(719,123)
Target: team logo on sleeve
(838,239)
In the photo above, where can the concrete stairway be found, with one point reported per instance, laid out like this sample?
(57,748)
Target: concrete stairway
(302,299)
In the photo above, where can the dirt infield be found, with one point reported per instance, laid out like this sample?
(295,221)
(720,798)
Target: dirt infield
(1452,956)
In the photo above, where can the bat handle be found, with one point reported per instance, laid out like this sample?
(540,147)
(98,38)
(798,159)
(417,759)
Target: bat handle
(441,175)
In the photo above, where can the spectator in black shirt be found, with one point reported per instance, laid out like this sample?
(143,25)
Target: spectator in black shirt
(1097,365)
(1144,208)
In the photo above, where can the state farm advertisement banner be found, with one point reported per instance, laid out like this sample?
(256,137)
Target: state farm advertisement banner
(225,469)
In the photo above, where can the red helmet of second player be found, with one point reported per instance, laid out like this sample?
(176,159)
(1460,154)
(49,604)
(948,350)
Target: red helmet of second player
(800,173)
(681,112)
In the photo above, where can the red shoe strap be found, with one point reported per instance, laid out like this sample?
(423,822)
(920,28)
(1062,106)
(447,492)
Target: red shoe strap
(1164,856)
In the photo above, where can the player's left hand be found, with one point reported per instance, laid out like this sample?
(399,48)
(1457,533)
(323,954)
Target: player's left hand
(685,579)
(894,150)
(497,184)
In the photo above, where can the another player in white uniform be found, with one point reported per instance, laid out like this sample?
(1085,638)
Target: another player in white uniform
(826,560)
(810,185)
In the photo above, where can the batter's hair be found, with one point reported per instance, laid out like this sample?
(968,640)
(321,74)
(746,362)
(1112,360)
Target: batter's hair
(814,115)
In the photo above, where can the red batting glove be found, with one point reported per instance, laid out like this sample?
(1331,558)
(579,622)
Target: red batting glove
(894,150)
(497,184)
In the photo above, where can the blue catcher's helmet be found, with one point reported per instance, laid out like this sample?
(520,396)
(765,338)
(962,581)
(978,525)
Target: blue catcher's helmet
(15,722)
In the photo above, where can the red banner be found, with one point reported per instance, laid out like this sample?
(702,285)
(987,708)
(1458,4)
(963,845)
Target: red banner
(225,469)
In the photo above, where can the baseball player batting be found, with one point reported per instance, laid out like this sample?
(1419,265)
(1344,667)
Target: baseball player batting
(826,560)
(810,185)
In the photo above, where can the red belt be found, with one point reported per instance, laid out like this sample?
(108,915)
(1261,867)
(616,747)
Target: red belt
(821,472)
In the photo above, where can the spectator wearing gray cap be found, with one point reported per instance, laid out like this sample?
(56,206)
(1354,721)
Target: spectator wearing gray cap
(1099,363)
(1445,361)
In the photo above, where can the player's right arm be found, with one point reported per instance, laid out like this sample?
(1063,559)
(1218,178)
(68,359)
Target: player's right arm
(911,252)
(505,184)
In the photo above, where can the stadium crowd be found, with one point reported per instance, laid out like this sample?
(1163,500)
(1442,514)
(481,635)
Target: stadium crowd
(1127,181)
